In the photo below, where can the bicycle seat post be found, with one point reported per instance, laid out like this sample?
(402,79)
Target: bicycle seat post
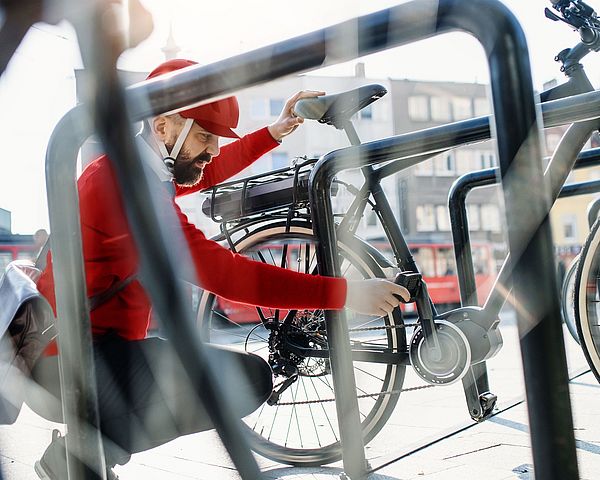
(351,133)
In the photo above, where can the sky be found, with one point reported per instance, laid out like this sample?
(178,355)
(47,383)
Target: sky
(38,86)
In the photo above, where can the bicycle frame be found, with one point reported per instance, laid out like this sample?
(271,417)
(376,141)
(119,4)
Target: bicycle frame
(372,188)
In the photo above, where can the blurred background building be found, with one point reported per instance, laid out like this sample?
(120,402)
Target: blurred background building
(418,194)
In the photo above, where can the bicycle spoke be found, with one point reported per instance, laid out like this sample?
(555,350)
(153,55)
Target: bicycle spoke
(324,412)
(312,416)
(227,319)
(291,416)
(258,416)
(273,422)
(368,373)
(297,421)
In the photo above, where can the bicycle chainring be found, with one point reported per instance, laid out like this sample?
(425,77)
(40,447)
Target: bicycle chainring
(455,355)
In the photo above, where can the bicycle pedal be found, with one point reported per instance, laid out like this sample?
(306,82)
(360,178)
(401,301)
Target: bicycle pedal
(411,281)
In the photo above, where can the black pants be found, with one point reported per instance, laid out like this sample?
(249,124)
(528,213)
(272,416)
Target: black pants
(144,396)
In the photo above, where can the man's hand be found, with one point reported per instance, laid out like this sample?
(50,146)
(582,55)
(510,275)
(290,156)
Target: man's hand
(374,296)
(288,121)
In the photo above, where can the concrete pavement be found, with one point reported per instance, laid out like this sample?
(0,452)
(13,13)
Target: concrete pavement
(496,449)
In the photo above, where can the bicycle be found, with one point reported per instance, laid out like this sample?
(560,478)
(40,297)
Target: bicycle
(267,217)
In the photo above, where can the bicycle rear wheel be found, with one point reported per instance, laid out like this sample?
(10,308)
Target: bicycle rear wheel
(587,299)
(293,431)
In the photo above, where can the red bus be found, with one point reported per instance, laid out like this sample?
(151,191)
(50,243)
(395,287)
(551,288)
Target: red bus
(437,264)
(16,247)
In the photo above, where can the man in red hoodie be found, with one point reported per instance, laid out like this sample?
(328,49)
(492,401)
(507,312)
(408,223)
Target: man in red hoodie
(144,398)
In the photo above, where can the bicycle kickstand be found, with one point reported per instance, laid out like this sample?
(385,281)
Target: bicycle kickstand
(481,405)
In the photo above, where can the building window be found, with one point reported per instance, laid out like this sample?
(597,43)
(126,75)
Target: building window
(279,160)
(482,107)
(482,260)
(276,106)
(442,218)
(440,109)
(418,108)
(461,108)
(425,168)
(445,164)
(569,228)
(366,113)
(464,161)
(445,262)
(473,217)
(490,217)
(425,218)
(258,108)
(552,141)
(486,159)
(424,259)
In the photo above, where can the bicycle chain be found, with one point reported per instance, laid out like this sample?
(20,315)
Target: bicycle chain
(366,395)
(368,329)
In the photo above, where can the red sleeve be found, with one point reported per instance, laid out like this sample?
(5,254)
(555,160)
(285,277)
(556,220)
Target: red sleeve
(240,279)
(232,159)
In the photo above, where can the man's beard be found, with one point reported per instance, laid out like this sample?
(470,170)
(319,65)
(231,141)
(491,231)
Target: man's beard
(188,171)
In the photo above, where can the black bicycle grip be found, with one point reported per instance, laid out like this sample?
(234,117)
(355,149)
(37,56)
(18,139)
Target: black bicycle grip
(411,281)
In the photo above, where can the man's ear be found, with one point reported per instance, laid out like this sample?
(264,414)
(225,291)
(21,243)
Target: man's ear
(159,127)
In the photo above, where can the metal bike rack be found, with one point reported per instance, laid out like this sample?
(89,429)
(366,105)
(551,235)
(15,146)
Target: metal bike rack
(388,28)
(518,144)
(561,163)
(460,225)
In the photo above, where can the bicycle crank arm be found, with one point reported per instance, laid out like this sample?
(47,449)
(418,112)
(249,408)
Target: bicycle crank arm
(417,288)
(425,313)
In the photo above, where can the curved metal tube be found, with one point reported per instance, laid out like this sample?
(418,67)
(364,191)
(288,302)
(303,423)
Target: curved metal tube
(77,372)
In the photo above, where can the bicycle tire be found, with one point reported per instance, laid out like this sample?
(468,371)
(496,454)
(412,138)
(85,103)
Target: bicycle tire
(379,409)
(587,299)
(568,299)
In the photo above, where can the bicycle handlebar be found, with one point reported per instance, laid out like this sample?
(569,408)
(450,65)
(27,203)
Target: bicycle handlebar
(580,16)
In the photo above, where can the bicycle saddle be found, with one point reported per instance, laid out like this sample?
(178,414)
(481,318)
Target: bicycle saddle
(338,108)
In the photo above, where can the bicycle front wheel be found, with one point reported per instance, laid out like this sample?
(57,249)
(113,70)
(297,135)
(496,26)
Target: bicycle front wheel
(587,299)
(302,428)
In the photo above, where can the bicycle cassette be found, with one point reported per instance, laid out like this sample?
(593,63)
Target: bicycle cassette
(455,359)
